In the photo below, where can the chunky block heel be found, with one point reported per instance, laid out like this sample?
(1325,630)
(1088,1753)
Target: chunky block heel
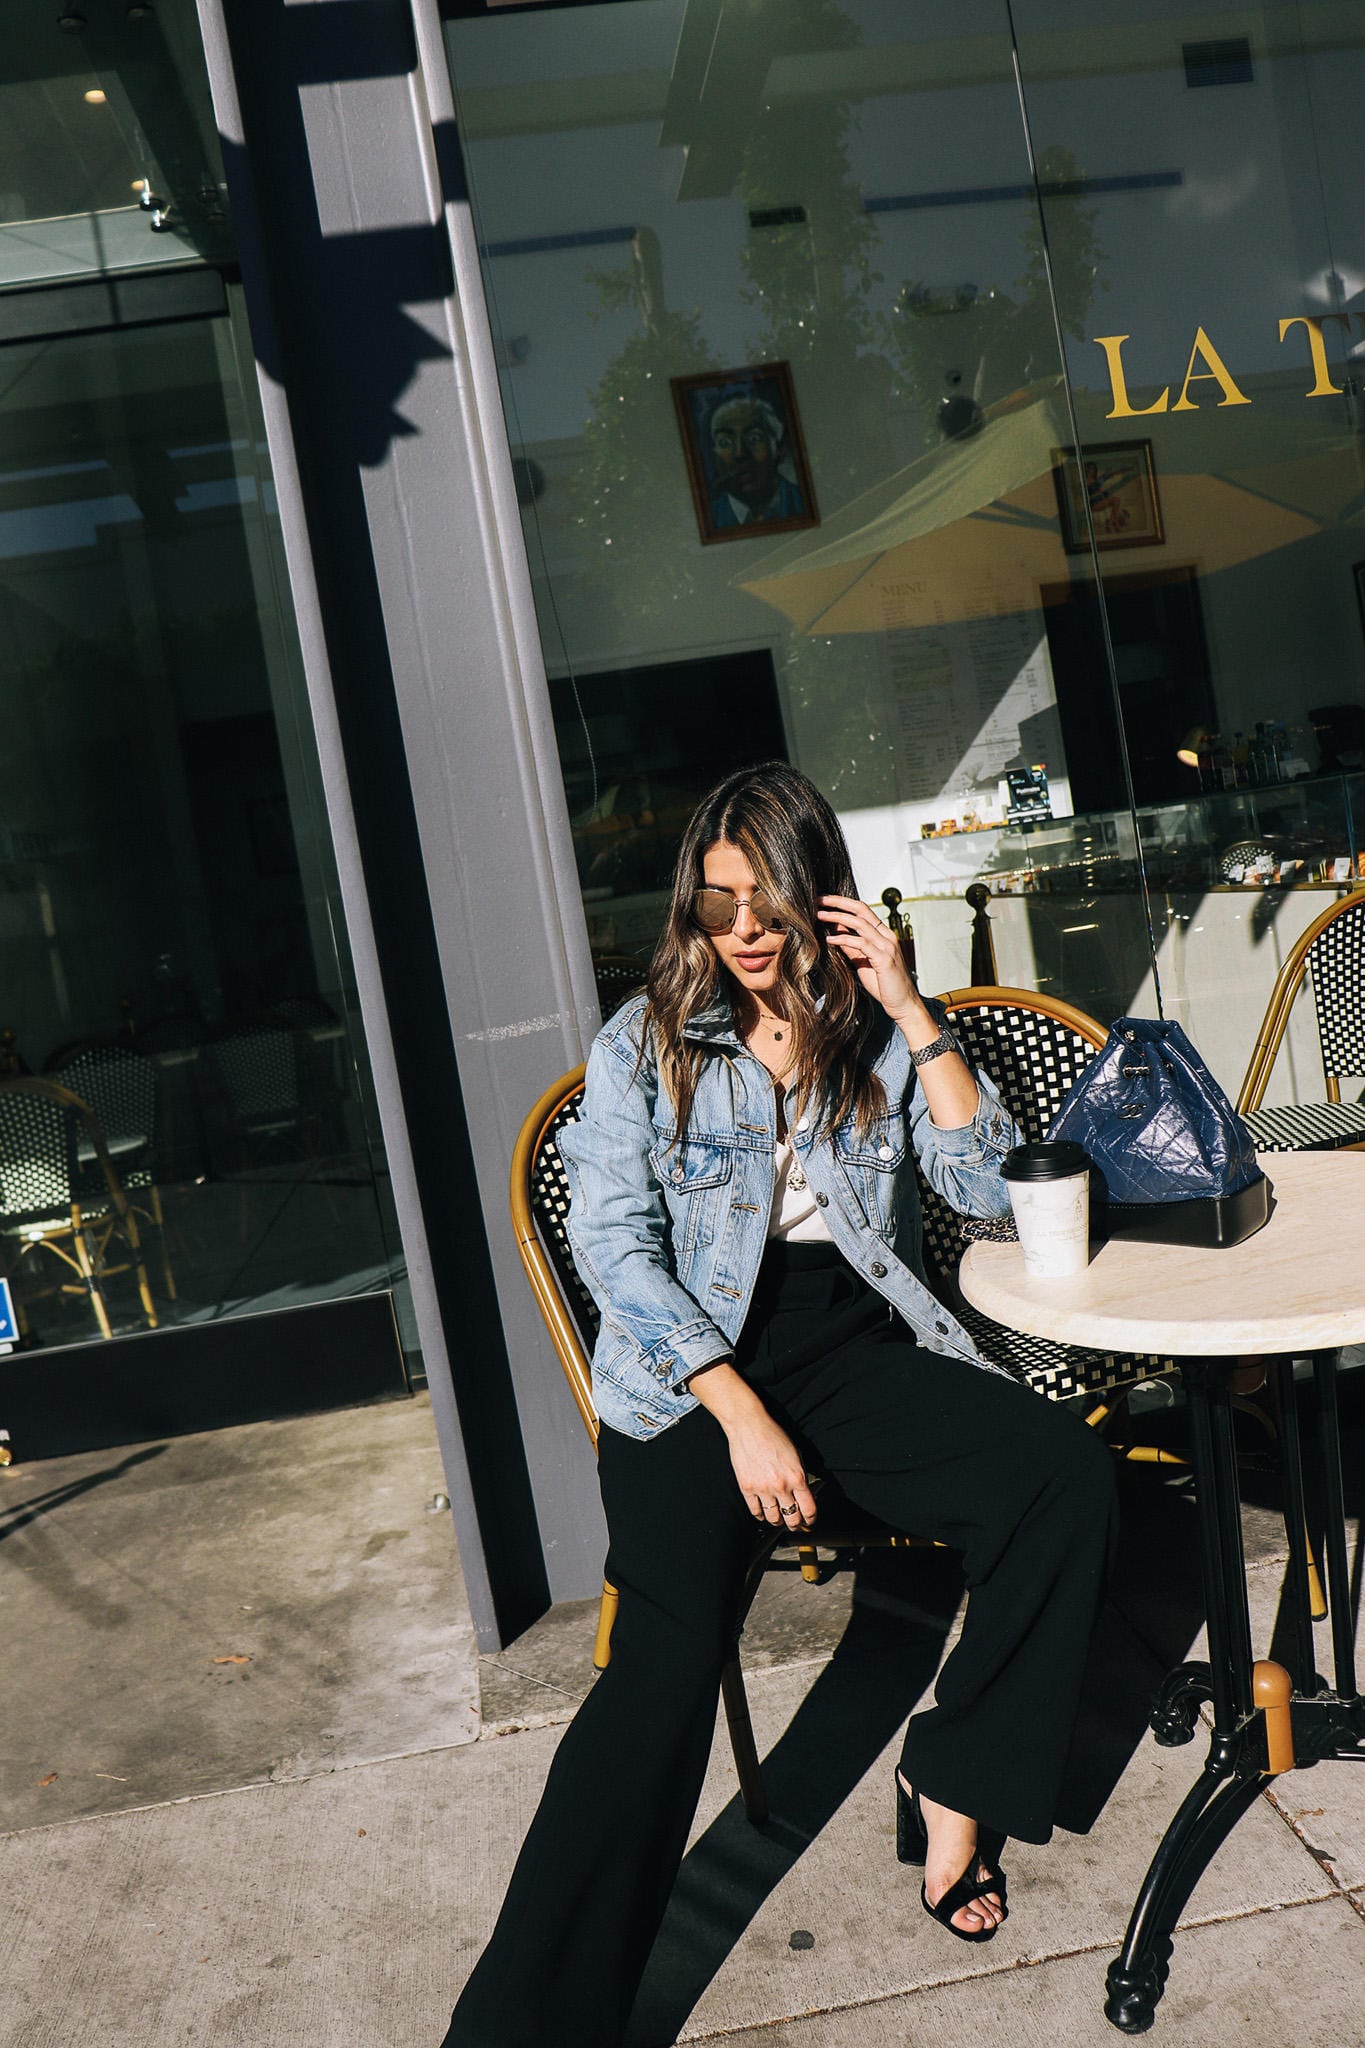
(912,1844)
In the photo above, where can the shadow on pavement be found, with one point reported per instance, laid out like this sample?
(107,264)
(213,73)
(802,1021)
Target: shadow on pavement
(20,1514)
(903,1608)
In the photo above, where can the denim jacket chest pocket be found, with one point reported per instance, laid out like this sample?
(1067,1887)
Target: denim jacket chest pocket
(695,1176)
(873,1161)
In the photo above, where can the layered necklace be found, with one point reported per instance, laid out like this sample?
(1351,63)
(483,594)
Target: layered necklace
(778,1028)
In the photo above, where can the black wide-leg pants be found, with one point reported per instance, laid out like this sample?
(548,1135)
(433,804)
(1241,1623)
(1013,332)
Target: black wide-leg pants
(931,1445)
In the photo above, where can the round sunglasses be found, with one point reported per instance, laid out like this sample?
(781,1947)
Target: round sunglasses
(715,910)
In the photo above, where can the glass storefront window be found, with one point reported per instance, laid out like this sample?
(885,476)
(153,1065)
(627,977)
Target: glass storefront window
(1051,542)
(178,1009)
(1213,361)
(108,148)
(785,230)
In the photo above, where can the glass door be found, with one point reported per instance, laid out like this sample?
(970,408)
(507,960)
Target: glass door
(187,1130)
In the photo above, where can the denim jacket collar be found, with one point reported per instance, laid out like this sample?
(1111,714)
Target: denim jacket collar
(715,1025)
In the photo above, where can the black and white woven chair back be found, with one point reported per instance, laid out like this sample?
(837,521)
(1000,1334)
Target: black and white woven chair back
(1336,974)
(260,1075)
(119,1088)
(1034,1061)
(618,978)
(1336,963)
(38,1139)
(550,1207)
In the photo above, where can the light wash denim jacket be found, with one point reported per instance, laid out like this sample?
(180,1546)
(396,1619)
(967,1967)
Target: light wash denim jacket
(669,1238)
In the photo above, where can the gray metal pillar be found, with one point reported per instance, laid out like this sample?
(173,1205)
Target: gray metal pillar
(432,717)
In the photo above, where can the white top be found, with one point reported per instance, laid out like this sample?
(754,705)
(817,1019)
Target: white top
(1298,1284)
(795,1216)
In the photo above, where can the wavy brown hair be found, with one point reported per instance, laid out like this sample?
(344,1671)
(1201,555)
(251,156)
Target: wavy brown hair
(792,840)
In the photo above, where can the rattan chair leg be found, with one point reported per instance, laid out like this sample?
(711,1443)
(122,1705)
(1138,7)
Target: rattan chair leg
(742,1742)
(606,1615)
(1317,1599)
(159,1218)
(130,1232)
(89,1273)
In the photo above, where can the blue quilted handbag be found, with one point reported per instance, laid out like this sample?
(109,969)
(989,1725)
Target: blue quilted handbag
(1176,1162)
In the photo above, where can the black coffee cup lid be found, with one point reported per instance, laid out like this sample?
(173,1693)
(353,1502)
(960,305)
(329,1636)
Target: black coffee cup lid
(1052,1159)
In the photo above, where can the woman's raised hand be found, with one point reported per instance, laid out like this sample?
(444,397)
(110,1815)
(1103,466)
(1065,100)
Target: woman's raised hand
(874,951)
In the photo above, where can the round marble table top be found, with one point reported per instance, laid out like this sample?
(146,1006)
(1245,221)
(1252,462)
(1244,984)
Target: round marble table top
(1297,1285)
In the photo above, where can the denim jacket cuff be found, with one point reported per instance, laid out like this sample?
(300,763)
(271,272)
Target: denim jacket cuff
(989,1135)
(686,1350)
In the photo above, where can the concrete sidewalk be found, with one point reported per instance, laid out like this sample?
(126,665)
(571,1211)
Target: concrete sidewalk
(345,1907)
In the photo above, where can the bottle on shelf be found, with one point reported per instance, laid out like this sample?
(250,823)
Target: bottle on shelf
(1262,760)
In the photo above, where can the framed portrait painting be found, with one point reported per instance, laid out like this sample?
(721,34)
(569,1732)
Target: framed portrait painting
(746,461)
(1117,479)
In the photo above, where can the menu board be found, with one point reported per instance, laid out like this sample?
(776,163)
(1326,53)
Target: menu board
(970,697)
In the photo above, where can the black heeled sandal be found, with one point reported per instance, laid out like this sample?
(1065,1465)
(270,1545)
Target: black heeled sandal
(912,1843)
(912,1846)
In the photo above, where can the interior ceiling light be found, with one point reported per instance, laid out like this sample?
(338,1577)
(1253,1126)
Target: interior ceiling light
(71,24)
(95,97)
(138,13)
(139,184)
(1197,741)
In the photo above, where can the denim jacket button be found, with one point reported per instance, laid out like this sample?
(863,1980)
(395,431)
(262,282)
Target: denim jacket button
(877,1270)
(678,1176)
(942,1329)
(802,1124)
(822,1201)
(885,1152)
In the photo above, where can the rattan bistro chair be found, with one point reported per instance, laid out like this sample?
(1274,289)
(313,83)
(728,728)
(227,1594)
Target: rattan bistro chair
(1332,953)
(540,1208)
(1034,1048)
(46,1203)
(121,1089)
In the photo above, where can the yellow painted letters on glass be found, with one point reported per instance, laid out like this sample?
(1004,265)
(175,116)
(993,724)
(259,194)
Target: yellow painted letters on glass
(1112,344)
(1323,387)
(1217,371)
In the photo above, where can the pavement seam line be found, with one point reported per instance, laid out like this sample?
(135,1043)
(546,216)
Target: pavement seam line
(496,1731)
(1319,1856)
(1003,1970)
(364,1763)
(547,1684)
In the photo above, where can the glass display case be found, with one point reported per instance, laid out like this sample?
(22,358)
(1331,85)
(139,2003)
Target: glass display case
(1289,834)
(1233,878)
(1301,834)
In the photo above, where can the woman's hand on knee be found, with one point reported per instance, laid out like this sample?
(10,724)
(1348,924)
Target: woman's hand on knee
(771,1474)
(768,1467)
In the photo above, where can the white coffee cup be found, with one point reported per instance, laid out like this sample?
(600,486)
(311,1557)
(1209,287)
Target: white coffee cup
(1049,1190)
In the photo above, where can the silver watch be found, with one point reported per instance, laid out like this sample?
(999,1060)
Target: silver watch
(943,1043)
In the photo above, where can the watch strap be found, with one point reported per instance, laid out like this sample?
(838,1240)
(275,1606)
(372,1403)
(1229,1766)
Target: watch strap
(943,1043)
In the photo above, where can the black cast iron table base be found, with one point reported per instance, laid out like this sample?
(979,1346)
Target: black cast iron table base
(1266,1718)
